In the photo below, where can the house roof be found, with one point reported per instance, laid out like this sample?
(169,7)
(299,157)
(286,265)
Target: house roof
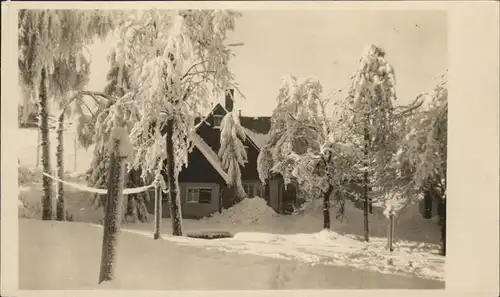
(209,154)
(260,125)
(256,129)
(258,139)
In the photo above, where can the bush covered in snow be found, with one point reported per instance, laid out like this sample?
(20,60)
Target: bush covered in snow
(248,211)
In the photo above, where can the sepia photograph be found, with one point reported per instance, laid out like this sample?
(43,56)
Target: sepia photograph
(225,149)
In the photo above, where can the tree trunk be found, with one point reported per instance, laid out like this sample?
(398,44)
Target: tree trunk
(365,185)
(443,227)
(113,216)
(326,207)
(60,170)
(45,146)
(38,148)
(175,211)
(158,212)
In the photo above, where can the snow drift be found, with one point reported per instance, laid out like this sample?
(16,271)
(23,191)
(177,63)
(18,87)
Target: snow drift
(248,211)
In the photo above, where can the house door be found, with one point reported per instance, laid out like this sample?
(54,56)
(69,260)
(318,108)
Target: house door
(288,198)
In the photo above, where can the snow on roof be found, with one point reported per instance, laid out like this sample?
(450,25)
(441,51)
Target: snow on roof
(209,154)
(203,119)
(258,139)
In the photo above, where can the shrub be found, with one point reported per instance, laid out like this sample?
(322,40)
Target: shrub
(25,174)
(210,234)
(33,209)
(28,210)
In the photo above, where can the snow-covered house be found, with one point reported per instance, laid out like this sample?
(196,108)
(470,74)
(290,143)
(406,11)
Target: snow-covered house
(203,183)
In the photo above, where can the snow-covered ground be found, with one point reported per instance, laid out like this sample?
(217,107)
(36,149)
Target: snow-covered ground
(259,231)
(64,255)
(270,250)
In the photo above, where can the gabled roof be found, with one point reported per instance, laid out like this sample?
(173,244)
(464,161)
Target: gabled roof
(256,129)
(209,154)
(258,139)
(260,125)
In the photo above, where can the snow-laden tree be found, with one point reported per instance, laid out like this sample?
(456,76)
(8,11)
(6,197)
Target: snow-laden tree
(68,77)
(304,146)
(294,127)
(47,39)
(367,116)
(420,163)
(176,60)
(232,151)
(99,169)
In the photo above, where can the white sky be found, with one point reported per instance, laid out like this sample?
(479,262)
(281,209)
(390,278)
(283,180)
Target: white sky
(325,45)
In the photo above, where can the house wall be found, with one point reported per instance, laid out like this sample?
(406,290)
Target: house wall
(228,197)
(199,210)
(190,210)
(274,186)
(256,183)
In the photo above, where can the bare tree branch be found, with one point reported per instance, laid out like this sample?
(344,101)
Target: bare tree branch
(91,94)
(192,67)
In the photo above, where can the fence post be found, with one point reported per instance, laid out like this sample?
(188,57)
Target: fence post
(156,234)
(391,232)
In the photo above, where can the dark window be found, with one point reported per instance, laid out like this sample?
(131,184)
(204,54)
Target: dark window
(199,195)
(205,196)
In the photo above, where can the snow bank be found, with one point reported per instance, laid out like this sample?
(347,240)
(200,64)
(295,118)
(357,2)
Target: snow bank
(248,211)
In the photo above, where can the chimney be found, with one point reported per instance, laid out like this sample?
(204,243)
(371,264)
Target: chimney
(229,100)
